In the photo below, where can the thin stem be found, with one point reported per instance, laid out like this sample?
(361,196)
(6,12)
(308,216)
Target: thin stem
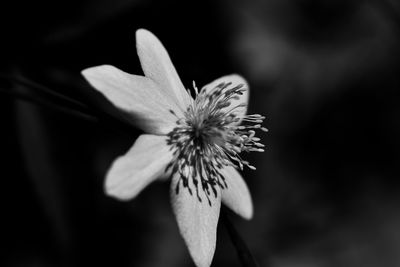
(42,102)
(243,252)
(55,100)
(43,89)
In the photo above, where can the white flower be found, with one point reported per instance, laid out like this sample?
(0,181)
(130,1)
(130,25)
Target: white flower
(196,141)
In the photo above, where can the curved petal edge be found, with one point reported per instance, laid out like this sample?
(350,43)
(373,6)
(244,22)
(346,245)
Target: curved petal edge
(143,163)
(235,80)
(157,65)
(197,221)
(148,106)
(237,196)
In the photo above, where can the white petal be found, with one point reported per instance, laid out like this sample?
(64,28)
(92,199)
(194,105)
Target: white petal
(142,164)
(157,65)
(237,196)
(148,105)
(197,221)
(235,80)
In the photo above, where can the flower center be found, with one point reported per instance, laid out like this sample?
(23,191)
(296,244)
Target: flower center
(209,138)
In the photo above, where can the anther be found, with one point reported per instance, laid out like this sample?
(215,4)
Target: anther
(208,139)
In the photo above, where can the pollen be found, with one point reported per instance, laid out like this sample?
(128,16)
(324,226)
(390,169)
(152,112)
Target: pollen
(210,136)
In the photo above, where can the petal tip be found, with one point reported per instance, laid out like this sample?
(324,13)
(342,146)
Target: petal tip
(203,261)
(236,76)
(141,31)
(94,71)
(86,73)
(203,257)
(248,213)
(237,196)
(197,222)
(245,210)
(115,182)
(115,191)
(116,194)
(143,34)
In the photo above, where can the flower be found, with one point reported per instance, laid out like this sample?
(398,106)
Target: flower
(195,140)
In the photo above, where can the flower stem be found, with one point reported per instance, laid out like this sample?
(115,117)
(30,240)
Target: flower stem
(42,102)
(38,94)
(47,91)
(41,95)
(243,252)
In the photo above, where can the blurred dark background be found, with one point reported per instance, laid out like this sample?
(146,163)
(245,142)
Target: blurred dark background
(325,73)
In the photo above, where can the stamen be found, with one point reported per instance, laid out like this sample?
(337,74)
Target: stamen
(208,138)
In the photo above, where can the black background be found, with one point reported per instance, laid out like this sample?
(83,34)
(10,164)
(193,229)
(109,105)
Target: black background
(325,73)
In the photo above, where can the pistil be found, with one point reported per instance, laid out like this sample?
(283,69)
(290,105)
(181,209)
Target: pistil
(208,138)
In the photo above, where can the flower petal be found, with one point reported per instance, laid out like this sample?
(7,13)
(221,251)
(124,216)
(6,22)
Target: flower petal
(142,164)
(197,221)
(237,196)
(137,95)
(157,65)
(243,99)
